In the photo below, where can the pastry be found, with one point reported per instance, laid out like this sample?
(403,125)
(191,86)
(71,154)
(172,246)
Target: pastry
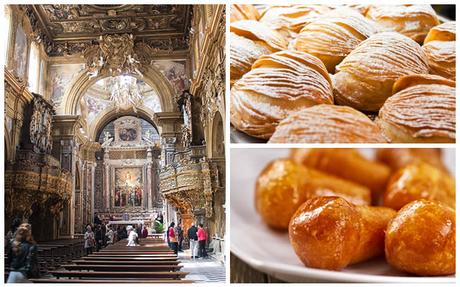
(334,36)
(278,85)
(365,78)
(248,41)
(419,181)
(439,47)
(444,32)
(420,239)
(413,21)
(284,185)
(397,158)
(327,124)
(290,19)
(330,233)
(421,110)
(361,8)
(346,163)
(244,12)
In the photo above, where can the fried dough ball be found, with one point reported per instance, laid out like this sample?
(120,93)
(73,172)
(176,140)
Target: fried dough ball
(397,158)
(346,163)
(284,185)
(331,233)
(419,181)
(420,239)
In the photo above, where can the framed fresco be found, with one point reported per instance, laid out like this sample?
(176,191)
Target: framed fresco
(129,187)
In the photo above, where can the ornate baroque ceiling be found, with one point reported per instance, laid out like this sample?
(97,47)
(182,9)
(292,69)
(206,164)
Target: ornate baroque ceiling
(70,29)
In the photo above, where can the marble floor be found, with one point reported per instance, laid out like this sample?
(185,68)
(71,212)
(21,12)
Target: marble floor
(201,270)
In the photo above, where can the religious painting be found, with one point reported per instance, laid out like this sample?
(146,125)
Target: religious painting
(61,76)
(128,134)
(175,72)
(128,186)
(127,131)
(20,52)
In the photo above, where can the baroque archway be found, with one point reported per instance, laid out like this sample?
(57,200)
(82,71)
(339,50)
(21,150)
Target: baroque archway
(83,81)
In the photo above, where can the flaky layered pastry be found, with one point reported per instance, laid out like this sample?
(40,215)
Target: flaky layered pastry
(421,110)
(243,12)
(248,41)
(278,85)
(441,58)
(365,78)
(414,21)
(439,47)
(290,19)
(444,32)
(327,124)
(333,36)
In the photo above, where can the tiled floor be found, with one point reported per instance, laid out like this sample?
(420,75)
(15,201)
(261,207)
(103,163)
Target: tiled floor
(202,270)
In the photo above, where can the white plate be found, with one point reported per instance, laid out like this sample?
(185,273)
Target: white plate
(270,252)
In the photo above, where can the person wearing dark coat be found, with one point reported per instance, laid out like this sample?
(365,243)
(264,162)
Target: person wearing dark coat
(193,238)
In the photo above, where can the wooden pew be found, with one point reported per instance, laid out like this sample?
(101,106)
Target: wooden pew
(118,262)
(130,267)
(107,281)
(118,274)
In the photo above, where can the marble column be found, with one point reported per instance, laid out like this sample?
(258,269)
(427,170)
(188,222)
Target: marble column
(106,181)
(149,179)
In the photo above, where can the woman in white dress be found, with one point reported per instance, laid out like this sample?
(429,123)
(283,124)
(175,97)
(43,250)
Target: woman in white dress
(132,236)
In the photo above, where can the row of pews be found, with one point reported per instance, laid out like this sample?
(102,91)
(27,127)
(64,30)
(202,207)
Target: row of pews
(151,262)
(52,254)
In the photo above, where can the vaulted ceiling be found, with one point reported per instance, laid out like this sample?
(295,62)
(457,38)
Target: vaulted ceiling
(70,29)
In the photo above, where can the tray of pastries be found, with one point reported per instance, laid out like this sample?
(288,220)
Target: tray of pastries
(342,74)
(345,215)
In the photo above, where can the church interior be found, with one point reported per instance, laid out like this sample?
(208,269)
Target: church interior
(114,116)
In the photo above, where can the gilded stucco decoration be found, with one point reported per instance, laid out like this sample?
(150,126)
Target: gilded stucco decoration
(163,27)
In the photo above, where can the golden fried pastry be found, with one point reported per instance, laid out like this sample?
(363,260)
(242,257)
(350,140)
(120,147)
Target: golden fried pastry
(419,181)
(290,19)
(365,78)
(332,37)
(413,21)
(444,32)
(397,158)
(440,49)
(284,185)
(327,124)
(278,85)
(420,239)
(248,41)
(243,53)
(421,110)
(243,12)
(330,233)
(346,163)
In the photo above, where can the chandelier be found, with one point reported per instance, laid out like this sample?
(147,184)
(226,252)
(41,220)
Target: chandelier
(114,55)
(124,93)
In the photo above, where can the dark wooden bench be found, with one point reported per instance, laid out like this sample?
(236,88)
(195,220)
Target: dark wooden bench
(117,274)
(130,267)
(116,262)
(130,258)
(107,281)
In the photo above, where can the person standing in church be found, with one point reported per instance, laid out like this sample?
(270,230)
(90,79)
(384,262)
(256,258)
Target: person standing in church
(89,240)
(193,238)
(160,218)
(22,256)
(97,220)
(145,232)
(109,235)
(202,236)
(180,237)
(132,236)
(98,237)
(172,238)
